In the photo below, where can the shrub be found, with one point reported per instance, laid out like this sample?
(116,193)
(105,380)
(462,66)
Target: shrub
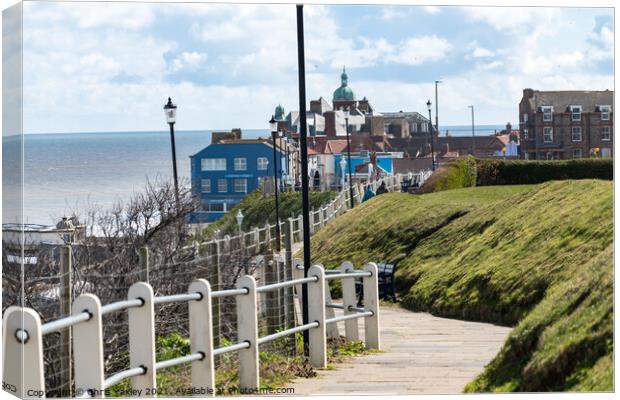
(458,174)
(501,172)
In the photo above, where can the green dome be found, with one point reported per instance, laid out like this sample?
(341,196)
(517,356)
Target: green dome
(344,92)
(279,114)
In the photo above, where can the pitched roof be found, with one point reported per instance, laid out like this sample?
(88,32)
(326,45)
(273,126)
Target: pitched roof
(561,99)
(335,146)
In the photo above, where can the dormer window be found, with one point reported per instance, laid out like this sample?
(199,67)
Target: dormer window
(605,111)
(547,113)
(575,113)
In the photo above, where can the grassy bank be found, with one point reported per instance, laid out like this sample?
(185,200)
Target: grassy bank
(538,257)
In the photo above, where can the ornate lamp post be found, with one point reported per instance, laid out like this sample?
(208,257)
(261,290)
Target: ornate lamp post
(239,219)
(170,109)
(473,134)
(430,131)
(273,125)
(346,125)
(343,165)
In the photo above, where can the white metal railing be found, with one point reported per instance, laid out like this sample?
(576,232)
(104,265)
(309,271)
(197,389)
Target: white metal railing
(23,332)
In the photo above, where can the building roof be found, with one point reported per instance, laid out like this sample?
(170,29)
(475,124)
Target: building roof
(409,115)
(335,146)
(561,99)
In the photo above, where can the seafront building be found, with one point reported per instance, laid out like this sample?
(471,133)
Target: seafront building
(558,125)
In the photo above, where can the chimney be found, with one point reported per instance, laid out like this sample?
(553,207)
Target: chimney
(528,93)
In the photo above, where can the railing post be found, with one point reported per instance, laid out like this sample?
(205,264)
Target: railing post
(271,302)
(201,336)
(371,303)
(142,338)
(144,263)
(65,309)
(247,327)
(298,274)
(267,234)
(316,313)
(23,362)
(288,272)
(88,347)
(351,328)
(321,217)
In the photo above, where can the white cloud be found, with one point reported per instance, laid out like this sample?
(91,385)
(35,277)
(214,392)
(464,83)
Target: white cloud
(432,9)
(419,50)
(480,52)
(530,20)
(188,61)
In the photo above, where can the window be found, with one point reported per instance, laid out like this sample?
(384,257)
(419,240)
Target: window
(577,153)
(213,164)
(526,156)
(547,135)
(217,207)
(605,110)
(222,186)
(575,113)
(205,185)
(605,152)
(547,113)
(525,117)
(526,134)
(414,127)
(424,126)
(241,163)
(262,163)
(549,155)
(241,185)
(576,134)
(606,133)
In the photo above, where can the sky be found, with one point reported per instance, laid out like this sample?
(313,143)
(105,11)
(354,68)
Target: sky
(111,66)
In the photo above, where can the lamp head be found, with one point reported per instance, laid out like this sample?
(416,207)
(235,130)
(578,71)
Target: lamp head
(170,109)
(428,105)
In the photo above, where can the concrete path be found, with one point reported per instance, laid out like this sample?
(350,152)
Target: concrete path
(421,354)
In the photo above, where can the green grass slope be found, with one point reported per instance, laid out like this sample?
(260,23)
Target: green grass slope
(537,256)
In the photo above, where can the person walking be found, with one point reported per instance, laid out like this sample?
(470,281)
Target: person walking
(368,194)
(317,181)
(382,188)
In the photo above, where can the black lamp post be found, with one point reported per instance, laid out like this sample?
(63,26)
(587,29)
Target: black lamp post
(273,125)
(473,132)
(170,110)
(346,125)
(430,130)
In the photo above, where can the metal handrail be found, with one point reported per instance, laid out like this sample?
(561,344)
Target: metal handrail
(300,328)
(128,373)
(121,305)
(65,322)
(349,316)
(180,360)
(349,275)
(229,292)
(232,347)
(281,285)
(177,297)
(332,305)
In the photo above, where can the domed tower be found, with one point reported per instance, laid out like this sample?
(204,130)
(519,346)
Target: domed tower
(279,113)
(343,96)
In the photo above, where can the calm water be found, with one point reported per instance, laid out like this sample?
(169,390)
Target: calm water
(66,172)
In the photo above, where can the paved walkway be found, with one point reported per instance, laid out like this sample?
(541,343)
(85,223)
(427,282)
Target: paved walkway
(421,354)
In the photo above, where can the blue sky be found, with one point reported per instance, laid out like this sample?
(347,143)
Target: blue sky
(110,66)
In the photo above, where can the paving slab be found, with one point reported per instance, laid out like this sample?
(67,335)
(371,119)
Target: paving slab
(421,354)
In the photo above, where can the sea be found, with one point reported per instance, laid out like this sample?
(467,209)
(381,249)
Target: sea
(74,172)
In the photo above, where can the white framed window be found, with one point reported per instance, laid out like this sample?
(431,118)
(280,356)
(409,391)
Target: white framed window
(549,155)
(217,207)
(526,133)
(547,135)
(575,113)
(241,185)
(605,111)
(606,133)
(222,186)
(241,164)
(414,127)
(262,163)
(213,164)
(525,117)
(577,153)
(547,113)
(205,185)
(576,134)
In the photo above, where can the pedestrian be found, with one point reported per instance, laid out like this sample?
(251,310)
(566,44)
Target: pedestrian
(382,188)
(317,180)
(368,194)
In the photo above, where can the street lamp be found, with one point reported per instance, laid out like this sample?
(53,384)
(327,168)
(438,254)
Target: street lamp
(473,135)
(346,125)
(430,130)
(170,110)
(343,165)
(239,218)
(437,108)
(273,125)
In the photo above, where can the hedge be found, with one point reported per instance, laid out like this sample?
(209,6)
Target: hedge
(505,172)
(455,175)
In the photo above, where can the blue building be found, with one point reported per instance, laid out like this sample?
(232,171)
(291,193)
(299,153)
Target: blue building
(224,173)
